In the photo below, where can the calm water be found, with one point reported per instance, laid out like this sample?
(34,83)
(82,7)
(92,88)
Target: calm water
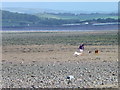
(66,28)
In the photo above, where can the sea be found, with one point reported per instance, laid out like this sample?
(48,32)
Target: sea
(65,28)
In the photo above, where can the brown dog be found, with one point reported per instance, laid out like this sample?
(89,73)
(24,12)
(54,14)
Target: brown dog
(96,51)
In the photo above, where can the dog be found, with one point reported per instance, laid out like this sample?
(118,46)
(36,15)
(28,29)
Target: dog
(96,51)
(77,53)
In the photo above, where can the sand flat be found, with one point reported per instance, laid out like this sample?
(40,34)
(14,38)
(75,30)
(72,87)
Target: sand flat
(61,52)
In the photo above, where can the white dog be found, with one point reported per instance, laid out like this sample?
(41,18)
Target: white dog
(77,53)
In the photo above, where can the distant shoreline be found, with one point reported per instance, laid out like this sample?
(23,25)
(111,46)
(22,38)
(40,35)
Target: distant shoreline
(63,28)
(17,31)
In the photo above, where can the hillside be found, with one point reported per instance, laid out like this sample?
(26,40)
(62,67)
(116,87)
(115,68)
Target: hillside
(81,17)
(20,20)
(11,19)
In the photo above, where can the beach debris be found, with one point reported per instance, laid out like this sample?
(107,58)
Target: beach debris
(3,60)
(70,79)
(117,59)
(32,86)
(89,51)
(77,53)
(32,76)
(10,62)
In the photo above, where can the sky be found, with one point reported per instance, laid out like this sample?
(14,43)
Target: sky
(60,0)
(69,6)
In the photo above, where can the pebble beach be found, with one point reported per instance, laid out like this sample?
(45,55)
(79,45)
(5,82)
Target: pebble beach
(47,66)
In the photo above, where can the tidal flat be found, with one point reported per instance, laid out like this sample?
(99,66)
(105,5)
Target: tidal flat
(45,59)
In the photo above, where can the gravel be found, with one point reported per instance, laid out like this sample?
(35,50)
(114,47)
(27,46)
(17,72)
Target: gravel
(87,73)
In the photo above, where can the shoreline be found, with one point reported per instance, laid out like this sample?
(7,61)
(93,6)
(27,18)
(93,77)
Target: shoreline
(14,31)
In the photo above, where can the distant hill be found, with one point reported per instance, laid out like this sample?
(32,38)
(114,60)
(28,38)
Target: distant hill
(81,17)
(26,10)
(14,19)
(62,14)
(42,10)
(10,19)
(22,20)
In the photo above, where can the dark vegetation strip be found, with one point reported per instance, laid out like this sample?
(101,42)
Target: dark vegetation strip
(67,38)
